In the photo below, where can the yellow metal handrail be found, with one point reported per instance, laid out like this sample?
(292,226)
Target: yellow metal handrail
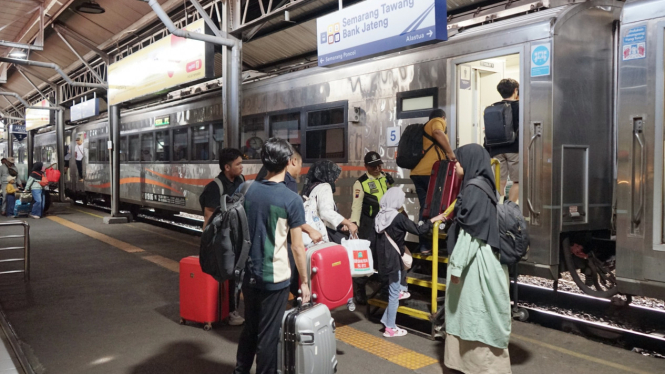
(435,236)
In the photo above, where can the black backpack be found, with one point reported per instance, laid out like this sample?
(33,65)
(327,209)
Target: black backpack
(410,148)
(499,128)
(513,230)
(225,242)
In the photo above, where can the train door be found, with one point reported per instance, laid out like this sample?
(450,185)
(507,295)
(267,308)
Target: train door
(476,89)
(68,151)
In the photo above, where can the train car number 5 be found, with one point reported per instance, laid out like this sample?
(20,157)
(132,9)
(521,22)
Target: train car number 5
(393,136)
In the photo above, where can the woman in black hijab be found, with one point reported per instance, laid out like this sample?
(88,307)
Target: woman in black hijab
(477,305)
(319,187)
(475,212)
(321,172)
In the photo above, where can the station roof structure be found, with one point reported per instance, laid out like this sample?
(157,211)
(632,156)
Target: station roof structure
(273,40)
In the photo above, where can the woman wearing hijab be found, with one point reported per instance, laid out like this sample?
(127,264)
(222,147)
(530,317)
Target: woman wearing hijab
(477,299)
(36,189)
(391,228)
(320,185)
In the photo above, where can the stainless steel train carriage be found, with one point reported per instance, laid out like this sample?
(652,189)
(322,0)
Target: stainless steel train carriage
(640,260)
(562,53)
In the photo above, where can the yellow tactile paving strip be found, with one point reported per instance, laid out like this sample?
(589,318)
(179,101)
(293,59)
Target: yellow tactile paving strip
(164,262)
(95,235)
(380,347)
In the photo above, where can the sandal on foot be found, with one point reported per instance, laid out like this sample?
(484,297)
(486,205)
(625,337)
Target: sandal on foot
(391,333)
(403,295)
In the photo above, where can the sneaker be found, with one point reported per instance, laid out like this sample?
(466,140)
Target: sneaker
(403,295)
(235,319)
(391,333)
(35,217)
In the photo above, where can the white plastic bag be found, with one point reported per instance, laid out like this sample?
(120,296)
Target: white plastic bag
(312,218)
(360,257)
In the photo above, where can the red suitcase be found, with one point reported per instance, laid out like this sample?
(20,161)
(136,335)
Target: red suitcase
(200,295)
(443,188)
(329,273)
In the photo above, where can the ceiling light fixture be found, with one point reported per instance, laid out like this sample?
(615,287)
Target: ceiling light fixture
(90,7)
(18,54)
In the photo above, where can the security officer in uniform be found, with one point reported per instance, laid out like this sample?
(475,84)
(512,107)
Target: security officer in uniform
(367,192)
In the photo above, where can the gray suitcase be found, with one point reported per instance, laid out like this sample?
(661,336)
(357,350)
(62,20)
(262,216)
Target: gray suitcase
(307,341)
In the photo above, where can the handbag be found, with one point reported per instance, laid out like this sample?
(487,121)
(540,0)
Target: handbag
(407,259)
(312,218)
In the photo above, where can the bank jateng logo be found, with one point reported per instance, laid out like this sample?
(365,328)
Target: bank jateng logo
(333,35)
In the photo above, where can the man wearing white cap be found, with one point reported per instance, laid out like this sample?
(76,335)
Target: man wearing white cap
(8,169)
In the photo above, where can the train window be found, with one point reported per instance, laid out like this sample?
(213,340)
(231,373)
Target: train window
(147,147)
(325,144)
(201,143)
(134,148)
(326,117)
(325,132)
(417,103)
(286,126)
(102,150)
(180,151)
(123,149)
(217,140)
(252,136)
(92,151)
(162,146)
(37,154)
(50,156)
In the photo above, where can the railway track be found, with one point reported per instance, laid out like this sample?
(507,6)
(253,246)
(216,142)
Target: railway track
(180,222)
(633,327)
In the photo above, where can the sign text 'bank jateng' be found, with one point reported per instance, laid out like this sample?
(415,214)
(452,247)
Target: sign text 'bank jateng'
(376,27)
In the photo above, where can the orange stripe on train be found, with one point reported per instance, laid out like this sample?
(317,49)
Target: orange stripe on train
(203,182)
(137,180)
(199,182)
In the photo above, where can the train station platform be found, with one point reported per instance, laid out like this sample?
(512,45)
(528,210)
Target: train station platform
(104,299)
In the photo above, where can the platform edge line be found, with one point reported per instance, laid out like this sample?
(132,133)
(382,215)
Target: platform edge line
(579,355)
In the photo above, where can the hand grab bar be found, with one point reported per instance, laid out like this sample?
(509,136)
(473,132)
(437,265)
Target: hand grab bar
(532,168)
(637,217)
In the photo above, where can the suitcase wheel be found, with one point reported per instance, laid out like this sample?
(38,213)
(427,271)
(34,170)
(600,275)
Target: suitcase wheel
(207,327)
(182,321)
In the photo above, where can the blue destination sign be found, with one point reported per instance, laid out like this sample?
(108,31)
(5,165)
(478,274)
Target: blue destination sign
(376,27)
(19,132)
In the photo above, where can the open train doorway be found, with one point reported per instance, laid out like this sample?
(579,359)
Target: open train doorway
(476,89)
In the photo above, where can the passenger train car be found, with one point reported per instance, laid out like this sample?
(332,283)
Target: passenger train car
(564,54)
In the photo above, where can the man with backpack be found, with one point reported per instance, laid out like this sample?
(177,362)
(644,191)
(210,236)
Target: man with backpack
(435,147)
(273,211)
(226,183)
(502,126)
